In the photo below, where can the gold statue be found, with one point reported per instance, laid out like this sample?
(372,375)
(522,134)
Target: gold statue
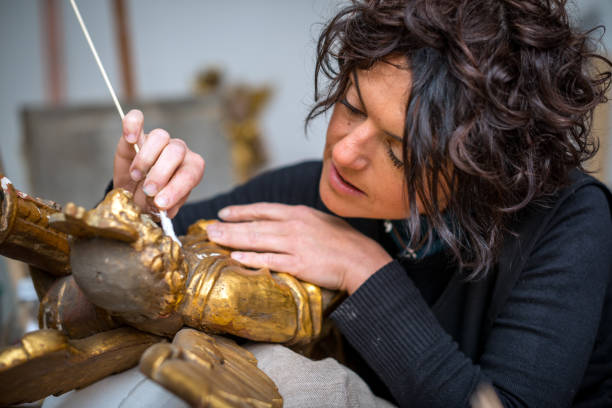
(122,271)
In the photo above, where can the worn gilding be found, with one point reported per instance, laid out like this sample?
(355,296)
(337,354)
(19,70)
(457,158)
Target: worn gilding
(25,234)
(125,271)
(120,250)
(47,362)
(209,371)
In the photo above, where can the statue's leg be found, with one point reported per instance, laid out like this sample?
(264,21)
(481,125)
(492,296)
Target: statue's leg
(66,308)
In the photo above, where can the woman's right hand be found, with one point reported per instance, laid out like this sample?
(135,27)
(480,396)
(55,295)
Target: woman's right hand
(162,174)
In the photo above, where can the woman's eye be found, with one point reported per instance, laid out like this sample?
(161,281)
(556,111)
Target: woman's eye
(394,153)
(351,108)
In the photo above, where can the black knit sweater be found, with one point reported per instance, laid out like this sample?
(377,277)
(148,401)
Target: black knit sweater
(538,327)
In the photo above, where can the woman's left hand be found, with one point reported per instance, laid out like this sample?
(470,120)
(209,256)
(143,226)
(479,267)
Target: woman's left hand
(309,244)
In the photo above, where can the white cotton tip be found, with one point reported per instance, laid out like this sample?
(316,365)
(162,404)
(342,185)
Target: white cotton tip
(5,182)
(167,227)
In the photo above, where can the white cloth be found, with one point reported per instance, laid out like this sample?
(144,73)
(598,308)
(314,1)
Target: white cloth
(306,383)
(129,389)
(301,382)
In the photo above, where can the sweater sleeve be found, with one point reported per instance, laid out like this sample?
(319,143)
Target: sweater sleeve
(539,347)
(297,184)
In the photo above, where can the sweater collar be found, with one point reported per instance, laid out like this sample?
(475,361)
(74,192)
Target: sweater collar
(400,233)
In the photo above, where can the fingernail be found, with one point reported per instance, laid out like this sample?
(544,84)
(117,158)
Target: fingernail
(213,231)
(224,213)
(161,202)
(150,189)
(136,175)
(131,138)
(239,256)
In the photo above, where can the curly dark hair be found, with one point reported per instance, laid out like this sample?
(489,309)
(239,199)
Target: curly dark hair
(499,113)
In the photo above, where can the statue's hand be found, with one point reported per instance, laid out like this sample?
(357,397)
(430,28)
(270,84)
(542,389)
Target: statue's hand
(162,174)
(311,245)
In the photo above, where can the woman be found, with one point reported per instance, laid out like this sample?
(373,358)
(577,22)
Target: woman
(449,203)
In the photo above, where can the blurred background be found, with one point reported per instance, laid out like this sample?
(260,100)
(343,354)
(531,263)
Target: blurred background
(235,79)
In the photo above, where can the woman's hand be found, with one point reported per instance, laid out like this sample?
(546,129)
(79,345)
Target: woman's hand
(310,245)
(162,174)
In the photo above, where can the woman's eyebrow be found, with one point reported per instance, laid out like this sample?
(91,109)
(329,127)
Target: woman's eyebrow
(399,139)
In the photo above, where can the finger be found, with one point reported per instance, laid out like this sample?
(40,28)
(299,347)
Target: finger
(150,151)
(259,211)
(174,210)
(132,128)
(121,175)
(140,198)
(144,202)
(169,161)
(124,154)
(276,262)
(186,177)
(258,236)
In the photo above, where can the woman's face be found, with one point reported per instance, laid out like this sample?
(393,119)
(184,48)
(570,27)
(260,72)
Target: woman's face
(362,162)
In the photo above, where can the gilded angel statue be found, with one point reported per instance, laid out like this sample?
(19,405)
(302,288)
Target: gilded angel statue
(113,288)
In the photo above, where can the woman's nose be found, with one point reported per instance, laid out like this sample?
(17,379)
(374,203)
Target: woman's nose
(355,148)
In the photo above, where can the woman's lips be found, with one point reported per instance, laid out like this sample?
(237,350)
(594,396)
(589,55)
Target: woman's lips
(340,184)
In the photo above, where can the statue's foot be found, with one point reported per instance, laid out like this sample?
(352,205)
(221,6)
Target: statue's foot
(114,218)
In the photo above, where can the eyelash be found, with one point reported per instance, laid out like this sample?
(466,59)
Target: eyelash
(394,160)
(350,107)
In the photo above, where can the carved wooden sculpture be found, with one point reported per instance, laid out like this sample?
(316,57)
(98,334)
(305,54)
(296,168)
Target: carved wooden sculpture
(124,272)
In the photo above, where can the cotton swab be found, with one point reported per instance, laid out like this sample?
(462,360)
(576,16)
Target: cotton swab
(165,221)
(97,58)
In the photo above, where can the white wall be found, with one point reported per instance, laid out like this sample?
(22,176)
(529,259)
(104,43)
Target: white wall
(21,77)
(260,42)
(271,42)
